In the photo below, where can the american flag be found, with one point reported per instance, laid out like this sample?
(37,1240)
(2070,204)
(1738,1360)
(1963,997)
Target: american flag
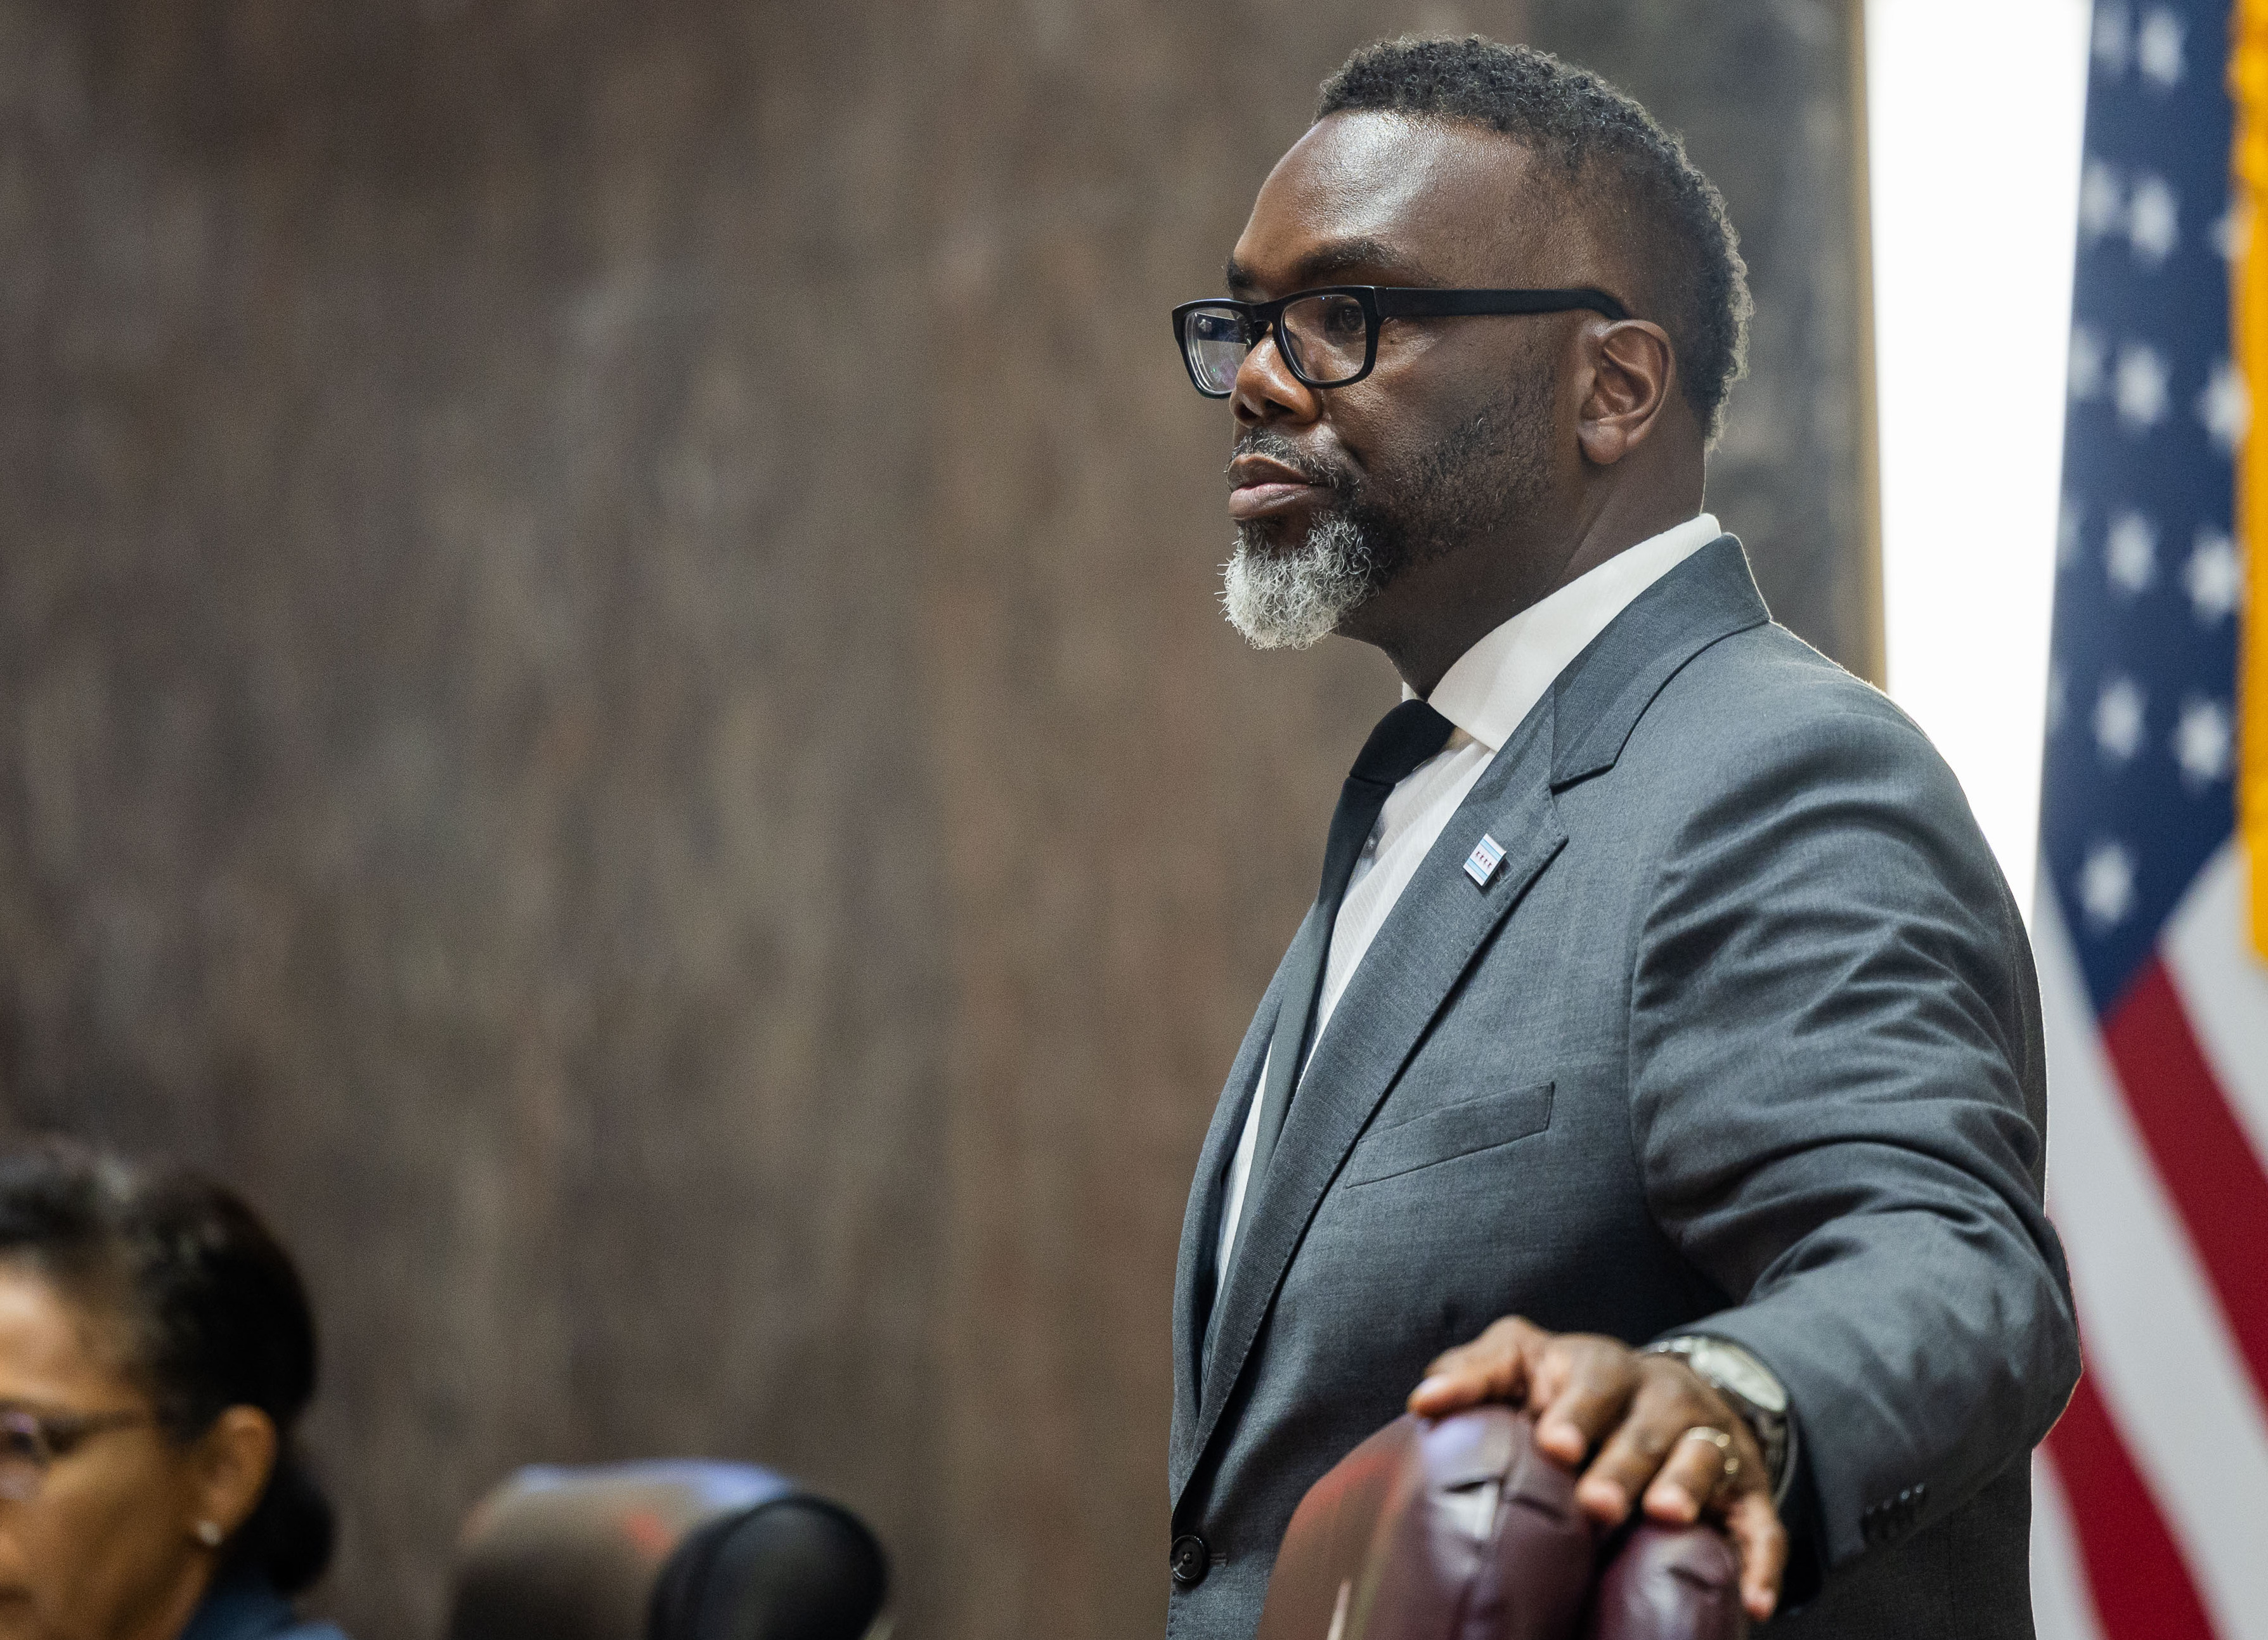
(2152,1507)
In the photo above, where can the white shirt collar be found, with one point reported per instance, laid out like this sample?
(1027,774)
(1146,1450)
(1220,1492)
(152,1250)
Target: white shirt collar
(1495,683)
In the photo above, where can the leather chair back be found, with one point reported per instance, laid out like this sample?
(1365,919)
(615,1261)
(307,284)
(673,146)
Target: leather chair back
(1460,1529)
(1668,1583)
(690,1550)
(794,1569)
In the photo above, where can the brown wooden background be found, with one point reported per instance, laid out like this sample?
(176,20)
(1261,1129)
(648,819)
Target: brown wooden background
(609,697)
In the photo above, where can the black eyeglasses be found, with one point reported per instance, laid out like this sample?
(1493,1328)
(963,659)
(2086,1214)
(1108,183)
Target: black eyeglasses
(1329,336)
(30,1442)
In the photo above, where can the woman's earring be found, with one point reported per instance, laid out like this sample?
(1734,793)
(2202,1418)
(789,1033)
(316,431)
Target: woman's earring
(208,1534)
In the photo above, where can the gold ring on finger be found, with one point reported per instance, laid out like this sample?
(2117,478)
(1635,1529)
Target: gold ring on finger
(1722,1440)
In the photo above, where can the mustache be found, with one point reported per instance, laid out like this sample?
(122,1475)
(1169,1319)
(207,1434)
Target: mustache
(1276,448)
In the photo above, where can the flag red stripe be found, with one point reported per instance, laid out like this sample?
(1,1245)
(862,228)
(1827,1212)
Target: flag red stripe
(2201,1153)
(2141,1585)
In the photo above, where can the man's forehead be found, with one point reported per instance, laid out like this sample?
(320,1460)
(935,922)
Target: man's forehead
(1378,197)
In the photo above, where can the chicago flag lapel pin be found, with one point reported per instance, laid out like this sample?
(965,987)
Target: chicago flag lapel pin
(1481,863)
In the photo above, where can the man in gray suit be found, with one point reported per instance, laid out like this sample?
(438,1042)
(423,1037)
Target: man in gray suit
(1662,1052)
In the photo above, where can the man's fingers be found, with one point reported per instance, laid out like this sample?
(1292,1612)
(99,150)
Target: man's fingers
(1701,1460)
(1656,1417)
(1598,1386)
(1495,1366)
(1763,1542)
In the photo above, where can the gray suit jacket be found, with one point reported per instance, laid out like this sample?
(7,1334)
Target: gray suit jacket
(1742,1037)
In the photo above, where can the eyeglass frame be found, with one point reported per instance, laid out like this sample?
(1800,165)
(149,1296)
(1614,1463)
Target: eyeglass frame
(56,1435)
(1379,303)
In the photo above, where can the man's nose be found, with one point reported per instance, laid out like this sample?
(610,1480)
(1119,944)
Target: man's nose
(1267,391)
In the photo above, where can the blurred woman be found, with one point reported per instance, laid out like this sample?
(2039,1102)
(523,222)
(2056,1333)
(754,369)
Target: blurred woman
(155,1352)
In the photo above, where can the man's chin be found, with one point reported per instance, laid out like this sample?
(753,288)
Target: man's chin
(1296,595)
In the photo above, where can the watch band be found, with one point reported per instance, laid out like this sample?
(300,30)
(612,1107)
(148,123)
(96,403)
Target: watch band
(1723,1366)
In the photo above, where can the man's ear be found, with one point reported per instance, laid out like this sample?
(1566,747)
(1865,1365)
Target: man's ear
(1631,371)
(232,1461)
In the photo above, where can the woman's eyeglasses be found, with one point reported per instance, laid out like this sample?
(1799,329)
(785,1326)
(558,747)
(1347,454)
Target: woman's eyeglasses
(1329,335)
(30,1442)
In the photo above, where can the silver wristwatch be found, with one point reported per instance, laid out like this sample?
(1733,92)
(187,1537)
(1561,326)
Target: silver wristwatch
(1756,1395)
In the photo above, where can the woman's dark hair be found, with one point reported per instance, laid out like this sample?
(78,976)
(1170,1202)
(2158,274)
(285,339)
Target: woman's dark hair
(209,1308)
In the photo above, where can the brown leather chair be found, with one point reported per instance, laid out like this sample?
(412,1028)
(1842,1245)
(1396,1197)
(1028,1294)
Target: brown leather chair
(662,1551)
(1668,1583)
(1460,1529)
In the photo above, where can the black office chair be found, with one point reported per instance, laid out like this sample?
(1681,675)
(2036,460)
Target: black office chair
(690,1550)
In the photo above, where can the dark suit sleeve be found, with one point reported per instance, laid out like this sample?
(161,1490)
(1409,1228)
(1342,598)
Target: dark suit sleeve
(1840,1111)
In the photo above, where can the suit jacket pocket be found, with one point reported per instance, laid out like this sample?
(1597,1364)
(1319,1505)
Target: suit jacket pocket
(1455,1130)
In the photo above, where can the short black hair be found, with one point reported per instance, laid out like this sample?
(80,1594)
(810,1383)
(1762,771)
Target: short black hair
(1683,244)
(207,1306)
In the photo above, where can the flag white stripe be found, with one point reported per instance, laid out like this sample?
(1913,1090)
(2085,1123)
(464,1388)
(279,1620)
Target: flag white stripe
(2224,987)
(2160,1352)
(2063,1606)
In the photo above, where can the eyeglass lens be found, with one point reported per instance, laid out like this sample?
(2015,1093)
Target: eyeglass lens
(23,1456)
(29,1444)
(1328,338)
(1214,340)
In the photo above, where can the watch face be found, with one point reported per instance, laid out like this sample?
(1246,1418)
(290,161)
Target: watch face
(1737,1370)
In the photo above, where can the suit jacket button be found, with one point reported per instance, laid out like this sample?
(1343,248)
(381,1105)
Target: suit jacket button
(1191,1560)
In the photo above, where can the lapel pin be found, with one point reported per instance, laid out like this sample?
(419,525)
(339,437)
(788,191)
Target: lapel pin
(1481,863)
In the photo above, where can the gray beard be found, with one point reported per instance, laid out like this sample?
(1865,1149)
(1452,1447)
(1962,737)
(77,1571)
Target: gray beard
(1297,599)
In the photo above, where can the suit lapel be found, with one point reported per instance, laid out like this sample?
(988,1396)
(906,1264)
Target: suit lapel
(1201,1220)
(1441,920)
(1603,692)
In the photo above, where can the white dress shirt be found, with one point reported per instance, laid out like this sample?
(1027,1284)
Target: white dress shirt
(1485,695)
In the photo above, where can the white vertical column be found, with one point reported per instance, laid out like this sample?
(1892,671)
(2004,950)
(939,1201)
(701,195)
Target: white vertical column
(1974,115)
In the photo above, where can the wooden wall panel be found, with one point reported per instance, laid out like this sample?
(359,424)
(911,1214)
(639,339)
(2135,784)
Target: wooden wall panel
(609,697)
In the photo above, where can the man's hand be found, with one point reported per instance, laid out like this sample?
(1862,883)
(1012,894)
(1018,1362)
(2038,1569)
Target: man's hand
(1639,1415)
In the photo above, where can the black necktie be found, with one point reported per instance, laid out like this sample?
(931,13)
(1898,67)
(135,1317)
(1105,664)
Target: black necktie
(1405,737)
